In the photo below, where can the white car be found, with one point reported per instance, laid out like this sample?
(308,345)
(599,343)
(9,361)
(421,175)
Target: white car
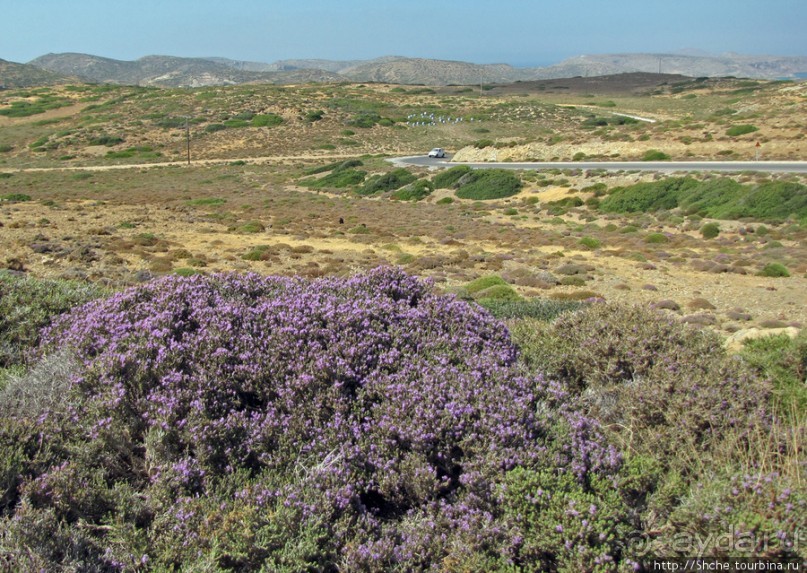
(437,152)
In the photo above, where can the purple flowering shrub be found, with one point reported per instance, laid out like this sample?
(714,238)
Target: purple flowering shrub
(340,424)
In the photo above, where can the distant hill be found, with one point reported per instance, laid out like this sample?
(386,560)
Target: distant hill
(737,65)
(13,75)
(172,71)
(433,72)
(168,71)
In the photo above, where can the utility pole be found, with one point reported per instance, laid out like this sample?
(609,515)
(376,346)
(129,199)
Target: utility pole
(188,137)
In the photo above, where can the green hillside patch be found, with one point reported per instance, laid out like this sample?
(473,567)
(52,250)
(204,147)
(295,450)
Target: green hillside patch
(448,178)
(25,108)
(736,130)
(341,175)
(387,182)
(488,184)
(721,198)
(415,191)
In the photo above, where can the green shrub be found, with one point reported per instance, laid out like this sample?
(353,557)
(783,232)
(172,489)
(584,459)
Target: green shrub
(448,178)
(548,505)
(774,270)
(387,182)
(536,308)
(313,116)
(647,197)
(266,120)
(660,387)
(655,155)
(483,143)
(655,238)
(736,130)
(483,283)
(498,292)
(214,127)
(365,120)
(338,166)
(169,122)
(488,184)
(445,201)
(15,197)
(252,227)
(710,230)
(106,140)
(6,148)
(416,191)
(28,304)
(186,271)
(718,198)
(782,360)
(590,243)
(337,179)
(259,253)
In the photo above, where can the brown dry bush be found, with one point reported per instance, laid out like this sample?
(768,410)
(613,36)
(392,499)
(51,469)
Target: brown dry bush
(661,387)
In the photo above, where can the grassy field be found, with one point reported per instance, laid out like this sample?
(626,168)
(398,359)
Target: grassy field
(610,306)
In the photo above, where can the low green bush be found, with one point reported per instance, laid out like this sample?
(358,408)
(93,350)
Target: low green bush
(337,179)
(15,197)
(774,270)
(718,198)
(655,238)
(536,308)
(590,243)
(783,360)
(488,184)
(710,230)
(28,304)
(498,292)
(736,130)
(448,178)
(655,155)
(387,182)
(338,166)
(415,191)
(483,283)
(106,140)
(266,120)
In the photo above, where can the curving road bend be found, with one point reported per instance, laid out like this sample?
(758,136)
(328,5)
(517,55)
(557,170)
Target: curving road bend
(662,166)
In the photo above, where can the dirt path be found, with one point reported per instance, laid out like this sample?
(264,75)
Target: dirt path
(193,162)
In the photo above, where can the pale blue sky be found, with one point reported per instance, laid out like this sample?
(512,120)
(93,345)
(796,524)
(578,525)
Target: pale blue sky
(518,32)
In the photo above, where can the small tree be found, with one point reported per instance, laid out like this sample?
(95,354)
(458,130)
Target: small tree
(710,230)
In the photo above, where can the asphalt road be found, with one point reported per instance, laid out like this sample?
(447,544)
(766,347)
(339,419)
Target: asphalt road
(664,166)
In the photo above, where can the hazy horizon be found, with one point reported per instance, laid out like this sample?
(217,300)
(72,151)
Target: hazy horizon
(524,34)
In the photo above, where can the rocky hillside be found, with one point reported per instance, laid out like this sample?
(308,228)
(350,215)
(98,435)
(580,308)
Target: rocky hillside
(175,72)
(168,71)
(13,75)
(737,65)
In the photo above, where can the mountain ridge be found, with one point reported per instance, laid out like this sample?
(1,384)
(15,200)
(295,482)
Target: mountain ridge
(174,71)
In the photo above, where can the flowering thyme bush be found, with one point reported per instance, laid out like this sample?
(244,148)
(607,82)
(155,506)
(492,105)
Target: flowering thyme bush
(238,422)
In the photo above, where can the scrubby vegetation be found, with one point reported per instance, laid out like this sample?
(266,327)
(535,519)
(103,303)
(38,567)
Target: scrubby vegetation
(487,184)
(387,182)
(342,174)
(719,198)
(237,422)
